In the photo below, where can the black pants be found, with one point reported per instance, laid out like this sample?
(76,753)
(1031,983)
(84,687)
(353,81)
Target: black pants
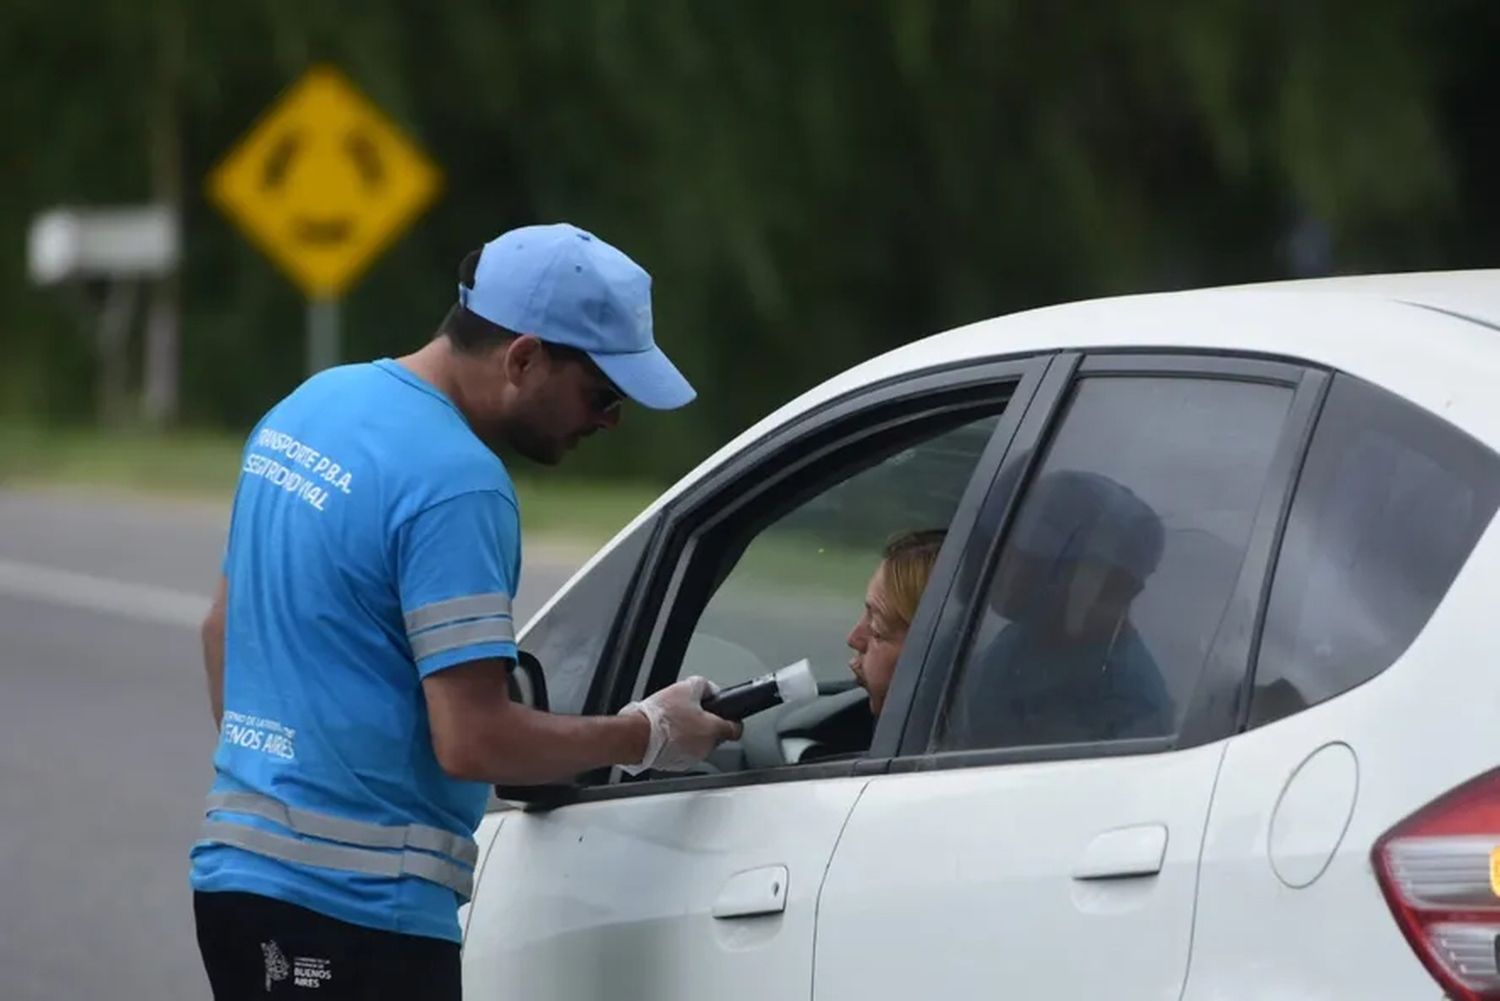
(256,947)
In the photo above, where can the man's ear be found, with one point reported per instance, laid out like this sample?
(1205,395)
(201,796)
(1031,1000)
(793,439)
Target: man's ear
(521,358)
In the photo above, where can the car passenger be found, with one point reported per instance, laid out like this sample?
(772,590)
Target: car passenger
(1068,665)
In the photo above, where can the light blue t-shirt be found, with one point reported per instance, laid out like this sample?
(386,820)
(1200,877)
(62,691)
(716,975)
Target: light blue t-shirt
(374,540)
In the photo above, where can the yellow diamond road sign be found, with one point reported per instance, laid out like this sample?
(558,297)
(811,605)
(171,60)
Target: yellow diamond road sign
(323,183)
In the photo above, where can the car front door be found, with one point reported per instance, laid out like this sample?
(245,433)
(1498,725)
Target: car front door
(1039,835)
(706,885)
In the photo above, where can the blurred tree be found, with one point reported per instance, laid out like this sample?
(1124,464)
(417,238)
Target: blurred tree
(809,183)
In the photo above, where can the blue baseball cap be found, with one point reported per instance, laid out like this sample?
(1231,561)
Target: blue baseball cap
(566,286)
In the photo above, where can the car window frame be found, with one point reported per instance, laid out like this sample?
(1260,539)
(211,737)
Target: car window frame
(621,674)
(1221,700)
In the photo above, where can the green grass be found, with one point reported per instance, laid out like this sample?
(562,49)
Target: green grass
(203,467)
(190,466)
(579,512)
(790,565)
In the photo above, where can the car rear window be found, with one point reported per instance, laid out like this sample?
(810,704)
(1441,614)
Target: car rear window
(1390,503)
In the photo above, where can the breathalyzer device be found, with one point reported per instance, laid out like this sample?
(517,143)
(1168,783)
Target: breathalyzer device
(793,682)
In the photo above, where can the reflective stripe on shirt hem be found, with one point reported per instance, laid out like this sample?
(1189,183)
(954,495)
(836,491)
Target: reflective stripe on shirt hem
(392,865)
(354,832)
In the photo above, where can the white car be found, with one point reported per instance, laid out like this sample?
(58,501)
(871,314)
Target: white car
(1278,780)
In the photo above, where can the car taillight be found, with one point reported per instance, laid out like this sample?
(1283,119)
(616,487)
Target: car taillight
(1440,871)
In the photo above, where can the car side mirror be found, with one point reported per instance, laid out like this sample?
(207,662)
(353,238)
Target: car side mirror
(528,683)
(528,686)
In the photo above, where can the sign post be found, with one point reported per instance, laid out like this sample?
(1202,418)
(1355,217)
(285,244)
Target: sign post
(322,334)
(323,183)
(120,249)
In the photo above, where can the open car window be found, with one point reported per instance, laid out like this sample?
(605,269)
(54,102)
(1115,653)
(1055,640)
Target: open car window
(784,576)
(798,588)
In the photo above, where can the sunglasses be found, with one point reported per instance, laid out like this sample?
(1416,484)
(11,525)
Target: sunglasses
(605,398)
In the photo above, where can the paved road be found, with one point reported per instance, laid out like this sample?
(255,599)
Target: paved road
(105,740)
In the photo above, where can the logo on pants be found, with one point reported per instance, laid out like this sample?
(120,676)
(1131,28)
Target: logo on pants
(277,967)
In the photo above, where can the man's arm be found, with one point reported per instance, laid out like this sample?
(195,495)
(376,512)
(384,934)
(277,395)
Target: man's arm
(457,565)
(213,650)
(479,734)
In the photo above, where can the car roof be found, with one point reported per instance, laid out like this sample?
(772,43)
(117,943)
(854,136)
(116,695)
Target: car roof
(1431,337)
(1471,294)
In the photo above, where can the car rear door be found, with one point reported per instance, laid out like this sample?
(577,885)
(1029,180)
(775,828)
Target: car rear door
(1039,829)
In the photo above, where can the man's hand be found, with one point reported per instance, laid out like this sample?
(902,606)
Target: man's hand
(682,731)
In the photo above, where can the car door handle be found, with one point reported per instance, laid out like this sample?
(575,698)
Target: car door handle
(1124,853)
(756,891)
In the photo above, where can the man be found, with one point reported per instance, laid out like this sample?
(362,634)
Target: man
(357,651)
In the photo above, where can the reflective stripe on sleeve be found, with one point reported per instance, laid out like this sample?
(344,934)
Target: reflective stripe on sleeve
(462,634)
(442,613)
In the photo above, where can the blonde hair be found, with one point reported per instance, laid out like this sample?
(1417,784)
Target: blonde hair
(908,560)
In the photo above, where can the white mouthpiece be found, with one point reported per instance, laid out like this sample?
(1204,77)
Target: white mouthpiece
(796,682)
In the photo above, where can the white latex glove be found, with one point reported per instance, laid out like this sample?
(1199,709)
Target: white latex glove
(682,731)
